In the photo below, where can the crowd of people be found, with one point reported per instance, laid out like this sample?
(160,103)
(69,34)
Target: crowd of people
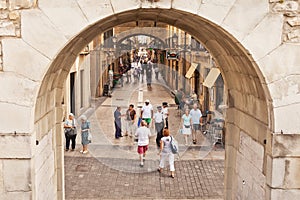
(143,69)
(138,125)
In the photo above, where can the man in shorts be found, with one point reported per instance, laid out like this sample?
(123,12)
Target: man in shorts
(196,115)
(147,112)
(143,134)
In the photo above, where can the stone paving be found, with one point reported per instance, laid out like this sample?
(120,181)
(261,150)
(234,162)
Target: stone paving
(111,170)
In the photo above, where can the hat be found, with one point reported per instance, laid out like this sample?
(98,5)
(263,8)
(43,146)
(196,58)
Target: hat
(147,101)
(165,103)
(159,108)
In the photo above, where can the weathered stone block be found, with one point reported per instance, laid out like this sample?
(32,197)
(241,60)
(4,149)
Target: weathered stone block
(14,15)
(125,5)
(3,15)
(94,9)
(292,194)
(7,28)
(232,135)
(16,175)
(287,125)
(251,11)
(166,4)
(294,21)
(15,112)
(286,145)
(214,10)
(15,52)
(21,141)
(34,24)
(230,156)
(19,4)
(293,36)
(63,17)
(267,36)
(286,6)
(16,195)
(3,4)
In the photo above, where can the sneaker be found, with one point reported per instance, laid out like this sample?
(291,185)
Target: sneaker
(84,152)
(67,149)
(142,165)
(81,151)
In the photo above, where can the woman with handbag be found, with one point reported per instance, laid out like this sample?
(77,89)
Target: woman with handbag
(70,131)
(166,153)
(186,128)
(85,131)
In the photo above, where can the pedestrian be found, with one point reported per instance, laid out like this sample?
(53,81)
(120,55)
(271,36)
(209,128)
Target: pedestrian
(118,125)
(165,111)
(156,70)
(85,131)
(196,117)
(70,131)
(149,74)
(135,76)
(130,120)
(186,125)
(147,112)
(128,75)
(143,71)
(143,134)
(166,153)
(159,124)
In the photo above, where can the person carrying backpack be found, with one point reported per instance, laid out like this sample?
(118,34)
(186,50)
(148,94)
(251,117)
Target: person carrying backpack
(166,152)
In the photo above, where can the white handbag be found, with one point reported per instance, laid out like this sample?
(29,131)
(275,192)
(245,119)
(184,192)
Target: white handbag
(90,137)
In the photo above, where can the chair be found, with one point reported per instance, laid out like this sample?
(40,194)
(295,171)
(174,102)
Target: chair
(218,132)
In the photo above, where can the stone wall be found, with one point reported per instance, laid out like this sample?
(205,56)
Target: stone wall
(10,22)
(290,9)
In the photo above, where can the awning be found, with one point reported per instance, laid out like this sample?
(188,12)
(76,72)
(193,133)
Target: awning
(211,77)
(192,68)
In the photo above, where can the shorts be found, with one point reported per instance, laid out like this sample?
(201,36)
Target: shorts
(142,149)
(196,127)
(147,120)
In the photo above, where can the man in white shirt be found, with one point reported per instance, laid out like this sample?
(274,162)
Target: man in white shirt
(166,114)
(143,134)
(159,124)
(196,115)
(147,112)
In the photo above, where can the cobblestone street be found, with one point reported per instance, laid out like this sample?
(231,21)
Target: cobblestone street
(88,178)
(111,169)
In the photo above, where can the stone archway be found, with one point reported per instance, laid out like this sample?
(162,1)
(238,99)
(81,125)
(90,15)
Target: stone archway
(52,42)
(248,98)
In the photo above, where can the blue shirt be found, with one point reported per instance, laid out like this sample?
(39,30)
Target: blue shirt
(196,115)
(186,119)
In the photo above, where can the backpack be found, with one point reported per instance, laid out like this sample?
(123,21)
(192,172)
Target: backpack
(174,145)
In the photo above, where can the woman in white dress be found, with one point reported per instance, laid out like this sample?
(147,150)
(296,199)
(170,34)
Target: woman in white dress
(186,125)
